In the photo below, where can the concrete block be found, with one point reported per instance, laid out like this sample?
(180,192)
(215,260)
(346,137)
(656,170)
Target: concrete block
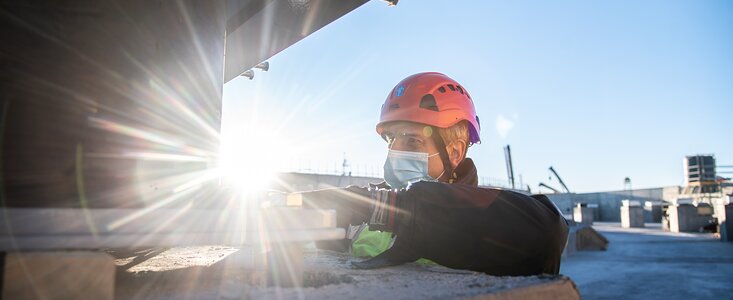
(583,214)
(676,215)
(584,238)
(596,209)
(632,216)
(58,275)
(726,223)
(687,218)
(653,212)
(588,239)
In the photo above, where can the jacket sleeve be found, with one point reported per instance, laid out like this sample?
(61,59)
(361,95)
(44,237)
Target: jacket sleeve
(488,230)
(352,205)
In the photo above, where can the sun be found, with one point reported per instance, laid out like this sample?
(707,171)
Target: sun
(249,159)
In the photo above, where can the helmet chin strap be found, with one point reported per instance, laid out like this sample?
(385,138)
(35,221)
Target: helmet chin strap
(447,174)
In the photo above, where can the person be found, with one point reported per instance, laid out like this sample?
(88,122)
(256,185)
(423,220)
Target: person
(430,205)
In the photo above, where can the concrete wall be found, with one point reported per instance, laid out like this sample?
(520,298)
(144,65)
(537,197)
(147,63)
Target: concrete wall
(609,203)
(295,182)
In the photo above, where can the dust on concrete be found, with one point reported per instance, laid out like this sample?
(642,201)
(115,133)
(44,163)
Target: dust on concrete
(166,259)
(203,273)
(408,281)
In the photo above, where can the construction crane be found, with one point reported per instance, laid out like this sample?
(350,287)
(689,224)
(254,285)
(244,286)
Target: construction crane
(549,187)
(509,166)
(562,183)
(564,187)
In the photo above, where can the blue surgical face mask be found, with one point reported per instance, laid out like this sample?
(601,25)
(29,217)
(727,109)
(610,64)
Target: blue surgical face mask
(405,167)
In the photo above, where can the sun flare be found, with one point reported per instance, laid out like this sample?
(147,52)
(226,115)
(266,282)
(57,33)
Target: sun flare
(250,159)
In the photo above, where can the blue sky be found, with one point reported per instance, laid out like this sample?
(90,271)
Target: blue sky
(600,90)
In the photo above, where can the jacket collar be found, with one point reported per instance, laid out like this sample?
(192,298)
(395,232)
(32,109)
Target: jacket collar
(465,173)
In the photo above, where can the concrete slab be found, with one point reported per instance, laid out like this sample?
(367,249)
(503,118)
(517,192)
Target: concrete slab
(328,275)
(58,275)
(649,263)
(80,229)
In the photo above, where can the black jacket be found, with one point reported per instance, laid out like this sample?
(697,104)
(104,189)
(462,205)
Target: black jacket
(462,226)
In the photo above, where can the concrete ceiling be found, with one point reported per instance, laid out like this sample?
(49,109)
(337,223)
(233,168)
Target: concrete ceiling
(259,29)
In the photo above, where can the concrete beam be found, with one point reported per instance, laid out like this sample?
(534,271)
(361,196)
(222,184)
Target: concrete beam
(49,221)
(34,229)
(261,29)
(109,103)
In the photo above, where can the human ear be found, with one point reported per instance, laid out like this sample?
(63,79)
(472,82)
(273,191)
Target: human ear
(456,152)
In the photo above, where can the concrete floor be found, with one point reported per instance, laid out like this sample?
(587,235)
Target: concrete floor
(643,263)
(203,273)
(649,263)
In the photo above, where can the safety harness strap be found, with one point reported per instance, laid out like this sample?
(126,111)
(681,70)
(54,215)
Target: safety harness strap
(447,169)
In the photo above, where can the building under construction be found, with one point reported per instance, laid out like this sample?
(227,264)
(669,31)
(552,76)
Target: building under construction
(111,116)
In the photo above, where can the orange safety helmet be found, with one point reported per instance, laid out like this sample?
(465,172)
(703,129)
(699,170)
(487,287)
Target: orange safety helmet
(433,99)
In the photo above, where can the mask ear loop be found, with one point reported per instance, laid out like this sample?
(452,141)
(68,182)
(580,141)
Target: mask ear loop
(447,169)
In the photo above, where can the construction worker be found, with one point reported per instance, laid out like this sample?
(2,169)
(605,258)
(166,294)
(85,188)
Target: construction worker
(430,205)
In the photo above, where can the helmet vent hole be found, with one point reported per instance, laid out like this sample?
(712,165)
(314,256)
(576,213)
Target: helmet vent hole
(460,89)
(441,89)
(428,102)
(451,87)
(394,106)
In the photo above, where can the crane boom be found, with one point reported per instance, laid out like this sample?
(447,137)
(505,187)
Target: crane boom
(564,187)
(549,187)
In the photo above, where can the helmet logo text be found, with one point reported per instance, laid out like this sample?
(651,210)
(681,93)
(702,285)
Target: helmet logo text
(399,91)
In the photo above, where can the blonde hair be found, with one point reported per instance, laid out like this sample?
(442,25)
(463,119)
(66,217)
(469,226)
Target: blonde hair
(458,132)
